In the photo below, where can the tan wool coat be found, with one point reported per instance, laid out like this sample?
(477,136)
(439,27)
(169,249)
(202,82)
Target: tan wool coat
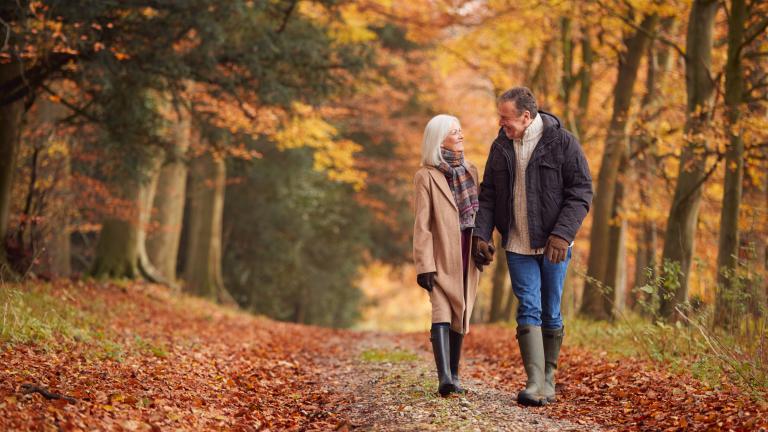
(437,248)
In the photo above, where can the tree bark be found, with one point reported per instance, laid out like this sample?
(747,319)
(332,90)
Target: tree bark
(57,166)
(617,253)
(500,281)
(203,274)
(120,251)
(728,244)
(567,80)
(684,212)
(598,289)
(163,243)
(585,83)
(659,64)
(10,119)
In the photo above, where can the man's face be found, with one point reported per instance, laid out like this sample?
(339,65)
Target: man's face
(514,123)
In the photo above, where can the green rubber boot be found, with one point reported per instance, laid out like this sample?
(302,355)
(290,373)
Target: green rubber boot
(553,339)
(532,350)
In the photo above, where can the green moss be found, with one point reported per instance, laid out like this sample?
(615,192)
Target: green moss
(34,315)
(388,356)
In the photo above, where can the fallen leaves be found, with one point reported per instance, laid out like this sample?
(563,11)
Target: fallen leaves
(221,369)
(629,394)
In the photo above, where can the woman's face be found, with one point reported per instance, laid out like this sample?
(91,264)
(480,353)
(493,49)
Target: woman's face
(454,141)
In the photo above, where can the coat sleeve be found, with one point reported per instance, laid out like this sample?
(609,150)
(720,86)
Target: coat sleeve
(423,252)
(577,190)
(487,201)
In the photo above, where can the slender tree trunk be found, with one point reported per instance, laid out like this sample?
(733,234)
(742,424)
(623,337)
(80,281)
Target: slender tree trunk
(598,290)
(10,119)
(510,305)
(728,245)
(585,83)
(684,212)
(203,274)
(617,252)
(56,165)
(500,280)
(567,81)
(163,243)
(659,64)
(541,81)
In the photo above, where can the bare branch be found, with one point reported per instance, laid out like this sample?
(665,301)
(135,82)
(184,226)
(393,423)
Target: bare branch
(653,35)
(71,106)
(7,34)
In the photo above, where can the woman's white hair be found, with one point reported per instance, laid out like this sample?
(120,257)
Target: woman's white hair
(434,135)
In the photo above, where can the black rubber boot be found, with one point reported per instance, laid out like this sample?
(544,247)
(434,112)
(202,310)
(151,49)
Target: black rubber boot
(553,339)
(456,341)
(532,350)
(440,347)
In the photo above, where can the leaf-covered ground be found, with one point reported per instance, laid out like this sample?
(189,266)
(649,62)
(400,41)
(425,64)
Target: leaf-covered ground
(137,357)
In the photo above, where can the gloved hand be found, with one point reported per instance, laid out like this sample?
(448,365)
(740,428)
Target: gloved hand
(482,252)
(426,280)
(556,249)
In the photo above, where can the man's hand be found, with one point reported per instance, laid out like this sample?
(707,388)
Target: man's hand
(482,252)
(556,249)
(426,280)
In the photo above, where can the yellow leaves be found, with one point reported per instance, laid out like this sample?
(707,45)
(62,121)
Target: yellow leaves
(353,27)
(335,157)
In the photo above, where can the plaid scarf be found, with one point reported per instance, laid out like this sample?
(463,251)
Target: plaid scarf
(462,185)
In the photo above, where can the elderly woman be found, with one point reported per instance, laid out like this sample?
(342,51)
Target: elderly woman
(446,204)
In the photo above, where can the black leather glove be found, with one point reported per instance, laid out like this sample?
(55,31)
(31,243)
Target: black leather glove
(482,252)
(426,280)
(556,249)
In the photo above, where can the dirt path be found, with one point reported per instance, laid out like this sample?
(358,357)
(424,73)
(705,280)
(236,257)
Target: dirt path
(388,383)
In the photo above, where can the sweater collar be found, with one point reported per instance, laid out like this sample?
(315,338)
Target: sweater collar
(534,130)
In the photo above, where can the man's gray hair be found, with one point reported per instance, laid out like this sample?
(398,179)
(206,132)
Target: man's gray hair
(523,99)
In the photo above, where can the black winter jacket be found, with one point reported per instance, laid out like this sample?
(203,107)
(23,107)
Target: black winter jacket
(558,187)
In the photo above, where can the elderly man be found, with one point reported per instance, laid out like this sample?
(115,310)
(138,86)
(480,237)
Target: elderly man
(536,191)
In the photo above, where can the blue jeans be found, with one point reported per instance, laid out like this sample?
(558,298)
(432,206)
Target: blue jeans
(538,286)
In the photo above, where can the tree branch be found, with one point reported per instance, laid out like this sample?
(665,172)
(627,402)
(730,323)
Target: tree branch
(652,35)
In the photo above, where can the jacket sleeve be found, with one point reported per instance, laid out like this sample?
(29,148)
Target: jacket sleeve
(487,201)
(423,253)
(577,190)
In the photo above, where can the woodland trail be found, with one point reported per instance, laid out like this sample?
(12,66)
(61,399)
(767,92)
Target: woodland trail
(138,357)
(388,383)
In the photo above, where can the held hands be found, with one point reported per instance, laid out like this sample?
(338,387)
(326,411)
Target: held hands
(556,249)
(482,252)
(426,280)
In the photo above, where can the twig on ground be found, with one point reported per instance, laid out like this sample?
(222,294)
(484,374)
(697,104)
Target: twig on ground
(31,388)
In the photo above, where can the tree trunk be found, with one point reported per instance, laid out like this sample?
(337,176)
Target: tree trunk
(617,254)
(541,81)
(659,64)
(121,252)
(500,280)
(203,274)
(163,242)
(510,306)
(585,83)
(56,212)
(568,79)
(598,290)
(684,212)
(10,119)
(728,244)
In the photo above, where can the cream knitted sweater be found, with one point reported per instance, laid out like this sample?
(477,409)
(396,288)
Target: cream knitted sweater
(519,241)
